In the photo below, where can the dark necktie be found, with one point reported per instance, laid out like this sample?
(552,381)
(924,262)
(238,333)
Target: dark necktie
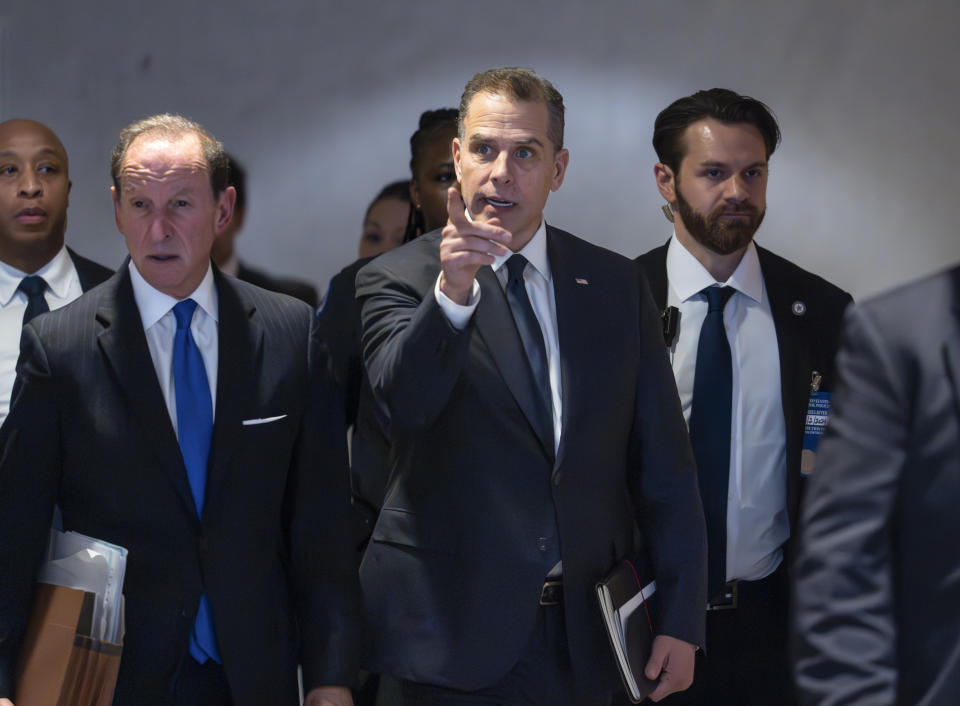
(710,424)
(532,337)
(194,430)
(34,287)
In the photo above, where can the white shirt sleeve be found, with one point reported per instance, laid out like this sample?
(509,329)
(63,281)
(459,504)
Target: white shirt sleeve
(457,314)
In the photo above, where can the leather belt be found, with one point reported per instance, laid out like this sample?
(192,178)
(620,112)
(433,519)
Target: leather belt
(551,593)
(726,599)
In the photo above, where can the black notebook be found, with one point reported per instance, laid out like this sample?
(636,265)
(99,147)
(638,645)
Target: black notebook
(629,603)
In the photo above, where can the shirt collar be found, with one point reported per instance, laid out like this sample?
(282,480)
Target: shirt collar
(535,251)
(59,274)
(154,304)
(688,277)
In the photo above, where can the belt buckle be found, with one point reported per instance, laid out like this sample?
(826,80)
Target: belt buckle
(727,600)
(548,592)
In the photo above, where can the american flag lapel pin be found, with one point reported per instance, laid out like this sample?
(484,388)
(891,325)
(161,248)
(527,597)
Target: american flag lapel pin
(580,280)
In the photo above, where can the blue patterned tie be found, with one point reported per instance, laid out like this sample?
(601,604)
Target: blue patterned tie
(531,335)
(34,287)
(710,425)
(194,430)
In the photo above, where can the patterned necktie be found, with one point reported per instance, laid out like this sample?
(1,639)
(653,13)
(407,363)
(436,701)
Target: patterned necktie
(532,337)
(194,430)
(710,425)
(34,287)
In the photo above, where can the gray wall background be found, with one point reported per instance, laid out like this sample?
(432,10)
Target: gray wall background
(318,99)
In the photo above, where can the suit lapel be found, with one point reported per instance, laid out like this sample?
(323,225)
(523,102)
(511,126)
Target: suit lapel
(951,345)
(570,282)
(494,322)
(240,356)
(795,368)
(123,343)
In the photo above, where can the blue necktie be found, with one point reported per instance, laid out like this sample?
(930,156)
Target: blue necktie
(194,430)
(531,335)
(34,287)
(710,425)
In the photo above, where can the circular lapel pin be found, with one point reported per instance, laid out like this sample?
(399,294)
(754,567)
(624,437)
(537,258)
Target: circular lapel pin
(798,308)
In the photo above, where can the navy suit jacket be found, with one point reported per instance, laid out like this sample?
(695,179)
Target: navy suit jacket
(478,500)
(878,573)
(89,430)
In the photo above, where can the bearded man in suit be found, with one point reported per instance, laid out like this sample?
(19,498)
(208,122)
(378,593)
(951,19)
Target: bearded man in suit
(751,339)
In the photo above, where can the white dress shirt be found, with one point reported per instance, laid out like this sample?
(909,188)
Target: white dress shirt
(538,281)
(63,286)
(160,325)
(757,522)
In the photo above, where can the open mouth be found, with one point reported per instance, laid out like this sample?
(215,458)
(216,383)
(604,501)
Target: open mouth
(497,203)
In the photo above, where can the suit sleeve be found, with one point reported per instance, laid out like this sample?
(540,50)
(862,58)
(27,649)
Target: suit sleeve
(413,354)
(325,572)
(665,489)
(29,473)
(339,328)
(845,632)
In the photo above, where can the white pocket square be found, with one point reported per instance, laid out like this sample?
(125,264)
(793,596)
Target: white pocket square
(264,420)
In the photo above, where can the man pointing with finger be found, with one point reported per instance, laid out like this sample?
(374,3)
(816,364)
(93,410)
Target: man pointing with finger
(534,426)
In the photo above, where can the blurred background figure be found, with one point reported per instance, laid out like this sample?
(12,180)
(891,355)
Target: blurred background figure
(423,202)
(38,273)
(385,222)
(225,256)
(878,572)
(431,163)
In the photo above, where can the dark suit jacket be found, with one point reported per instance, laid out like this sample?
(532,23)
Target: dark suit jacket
(285,285)
(878,573)
(807,342)
(89,430)
(338,325)
(89,272)
(477,499)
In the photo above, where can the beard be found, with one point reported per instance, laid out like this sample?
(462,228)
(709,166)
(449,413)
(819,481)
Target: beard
(720,235)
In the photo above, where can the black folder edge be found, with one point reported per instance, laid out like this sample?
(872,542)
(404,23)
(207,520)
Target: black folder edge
(619,586)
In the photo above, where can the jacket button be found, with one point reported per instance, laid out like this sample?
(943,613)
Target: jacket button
(542,544)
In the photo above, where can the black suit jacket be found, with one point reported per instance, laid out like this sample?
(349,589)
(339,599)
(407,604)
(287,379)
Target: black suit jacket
(338,325)
(89,272)
(478,501)
(89,430)
(807,342)
(878,573)
(285,285)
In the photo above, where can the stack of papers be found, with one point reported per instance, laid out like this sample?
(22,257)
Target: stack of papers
(77,561)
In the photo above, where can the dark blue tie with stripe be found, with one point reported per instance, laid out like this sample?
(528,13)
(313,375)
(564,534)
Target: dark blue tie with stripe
(194,430)
(710,425)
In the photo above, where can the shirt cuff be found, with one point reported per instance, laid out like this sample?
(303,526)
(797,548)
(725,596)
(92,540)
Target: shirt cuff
(457,314)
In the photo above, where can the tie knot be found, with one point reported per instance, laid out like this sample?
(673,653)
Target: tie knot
(515,266)
(32,285)
(184,313)
(717,297)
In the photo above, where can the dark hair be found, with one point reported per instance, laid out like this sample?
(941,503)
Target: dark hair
(173,127)
(431,122)
(394,190)
(519,85)
(237,178)
(720,104)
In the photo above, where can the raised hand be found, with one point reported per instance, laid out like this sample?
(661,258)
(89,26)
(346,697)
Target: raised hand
(466,247)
